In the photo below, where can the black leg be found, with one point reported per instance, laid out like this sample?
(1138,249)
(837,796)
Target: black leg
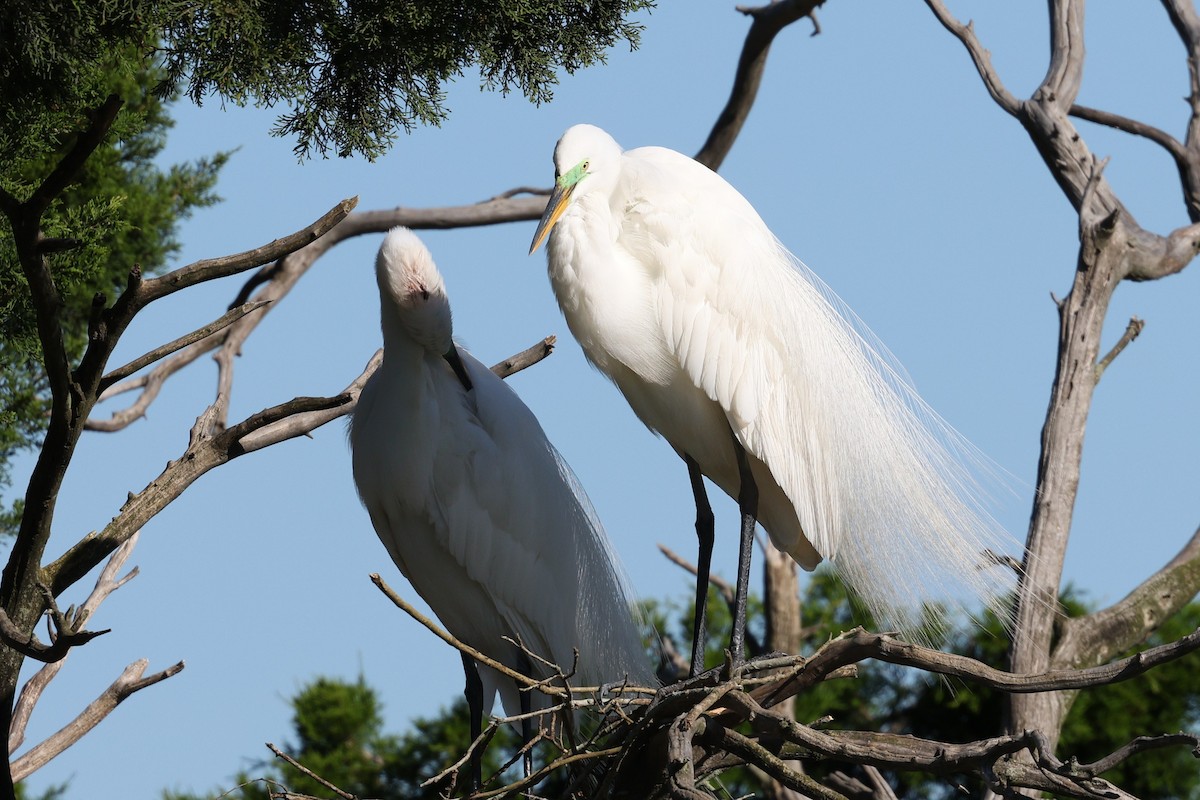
(748,506)
(704,532)
(474,695)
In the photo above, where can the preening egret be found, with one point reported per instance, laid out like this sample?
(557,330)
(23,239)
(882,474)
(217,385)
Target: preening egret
(476,507)
(761,380)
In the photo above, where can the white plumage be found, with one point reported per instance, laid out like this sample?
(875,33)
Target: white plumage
(676,290)
(475,506)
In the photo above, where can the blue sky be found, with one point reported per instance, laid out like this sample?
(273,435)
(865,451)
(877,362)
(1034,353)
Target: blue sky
(874,154)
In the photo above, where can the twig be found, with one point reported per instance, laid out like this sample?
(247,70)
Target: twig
(979,55)
(66,632)
(526,358)
(129,682)
(308,772)
(403,605)
(203,454)
(1139,745)
(304,423)
(1132,330)
(1133,127)
(882,789)
(755,753)
(225,320)
(213,268)
(768,21)
(106,583)
(481,742)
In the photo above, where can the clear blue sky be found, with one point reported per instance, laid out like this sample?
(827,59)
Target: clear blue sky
(874,154)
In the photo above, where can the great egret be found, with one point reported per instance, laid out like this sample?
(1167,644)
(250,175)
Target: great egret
(477,509)
(761,380)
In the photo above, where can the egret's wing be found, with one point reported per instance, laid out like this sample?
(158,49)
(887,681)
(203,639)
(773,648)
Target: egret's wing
(876,477)
(521,526)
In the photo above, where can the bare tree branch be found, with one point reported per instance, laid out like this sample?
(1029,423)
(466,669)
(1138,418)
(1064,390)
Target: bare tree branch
(1132,331)
(979,55)
(768,21)
(308,772)
(106,583)
(66,631)
(213,268)
(858,644)
(1133,127)
(228,318)
(129,682)
(1139,745)
(462,647)
(525,359)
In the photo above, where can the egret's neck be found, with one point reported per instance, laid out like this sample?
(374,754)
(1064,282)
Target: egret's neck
(400,349)
(580,246)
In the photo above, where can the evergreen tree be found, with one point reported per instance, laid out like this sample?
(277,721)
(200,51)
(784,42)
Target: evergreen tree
(123,212)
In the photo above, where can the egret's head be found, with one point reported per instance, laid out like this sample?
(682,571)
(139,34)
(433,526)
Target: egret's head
(586,160)
(412,292)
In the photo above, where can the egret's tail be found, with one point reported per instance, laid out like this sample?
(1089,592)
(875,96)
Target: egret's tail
(884,488)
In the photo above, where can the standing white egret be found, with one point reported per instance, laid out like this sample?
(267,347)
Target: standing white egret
(760,379)
(476,507)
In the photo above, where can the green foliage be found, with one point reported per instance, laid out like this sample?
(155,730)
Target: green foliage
(349,74)
(122,212)
(355,73)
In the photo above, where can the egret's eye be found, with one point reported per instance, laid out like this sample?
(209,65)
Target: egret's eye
(556,176)
(585,166)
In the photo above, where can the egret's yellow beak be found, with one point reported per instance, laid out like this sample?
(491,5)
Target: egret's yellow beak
(554,209)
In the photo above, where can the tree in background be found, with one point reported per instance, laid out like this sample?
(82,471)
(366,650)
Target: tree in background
(123,210)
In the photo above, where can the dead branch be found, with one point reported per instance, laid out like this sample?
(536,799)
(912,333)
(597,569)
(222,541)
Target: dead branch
(767,22)
(979,55)
(1133,127)
(526,358)
(462,647)
(857,645)
(308,772)
(65,631)
(1113,248)
(208,449)
(213,268)
(228,318)
(129,682)
(106,583)
(303,423)
(1132,331)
